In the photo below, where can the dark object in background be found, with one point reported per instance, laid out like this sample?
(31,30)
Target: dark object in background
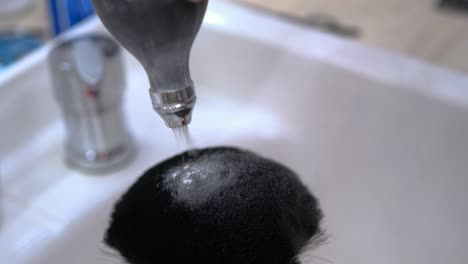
(213,206)
(458,5)
(319,21)
(328,23)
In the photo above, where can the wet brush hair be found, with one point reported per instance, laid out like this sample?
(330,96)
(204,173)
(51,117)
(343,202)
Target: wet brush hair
(215,206)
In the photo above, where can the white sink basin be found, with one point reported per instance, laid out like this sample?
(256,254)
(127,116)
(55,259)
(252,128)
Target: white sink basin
(380,139)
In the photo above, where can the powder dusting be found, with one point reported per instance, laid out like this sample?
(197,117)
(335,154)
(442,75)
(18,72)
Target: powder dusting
(196,179)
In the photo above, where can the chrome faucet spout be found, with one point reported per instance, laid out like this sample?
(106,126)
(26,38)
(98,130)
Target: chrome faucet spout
(160,34)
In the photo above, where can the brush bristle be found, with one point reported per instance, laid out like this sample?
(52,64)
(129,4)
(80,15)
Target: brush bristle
(218,205)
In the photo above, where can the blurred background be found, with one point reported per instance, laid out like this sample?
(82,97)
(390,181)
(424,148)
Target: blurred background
(26,24)
(432,30)
(380,138)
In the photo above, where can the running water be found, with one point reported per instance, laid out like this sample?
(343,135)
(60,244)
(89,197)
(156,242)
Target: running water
(183,137)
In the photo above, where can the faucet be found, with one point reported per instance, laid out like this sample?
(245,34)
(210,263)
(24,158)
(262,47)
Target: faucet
(160,34)
(88,80)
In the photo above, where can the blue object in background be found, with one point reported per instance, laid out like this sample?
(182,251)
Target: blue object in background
(13,46)
(66,13)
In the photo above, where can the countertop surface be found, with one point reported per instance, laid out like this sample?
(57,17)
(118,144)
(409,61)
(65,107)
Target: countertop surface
(414,28)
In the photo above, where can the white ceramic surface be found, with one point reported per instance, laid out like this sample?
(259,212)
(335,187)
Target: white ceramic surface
(381,139)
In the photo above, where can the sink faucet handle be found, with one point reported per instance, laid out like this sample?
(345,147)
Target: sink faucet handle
(89,61)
